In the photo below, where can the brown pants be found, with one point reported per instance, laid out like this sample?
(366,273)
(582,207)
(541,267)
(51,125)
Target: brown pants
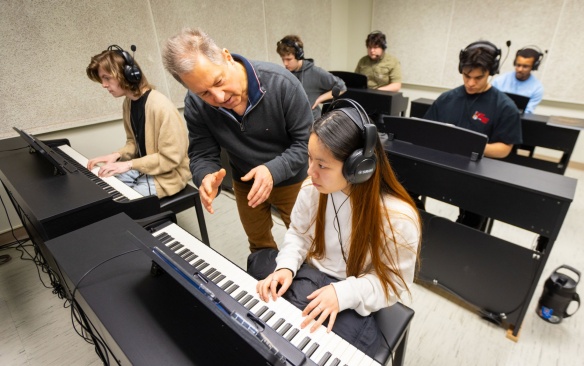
(257,222)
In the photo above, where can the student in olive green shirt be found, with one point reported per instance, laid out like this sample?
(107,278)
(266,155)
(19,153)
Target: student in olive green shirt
(383,70)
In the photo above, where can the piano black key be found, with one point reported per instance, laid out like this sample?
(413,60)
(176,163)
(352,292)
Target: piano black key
(267,316)
(324,359)
(311,349)
(285,328)
(213,274)
(197,263)
(160,234)
(278,323)
(304,342)
(290,336)
(219,278)
(190,257)
(175,246)
(187,254)
(232,288)
(166,239)
(117,196)
(240,295)
(182,252)
(261,311)
(246,299)
(202,266)
(209,271)
(226,285)
(251,304)
(335,362)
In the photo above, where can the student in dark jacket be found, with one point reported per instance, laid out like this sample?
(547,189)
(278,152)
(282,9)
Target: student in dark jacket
(256,111)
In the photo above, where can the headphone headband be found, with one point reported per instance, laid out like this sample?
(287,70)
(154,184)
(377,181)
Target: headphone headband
(361,164)
(298,51)
(132,73)
(537,60)
(496,53)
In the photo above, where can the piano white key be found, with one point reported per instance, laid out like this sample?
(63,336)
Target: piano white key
(278,307)
(317,339)
(326,343)
(342,350)
(369,362)
(114,182)
(330,342)
(357,358)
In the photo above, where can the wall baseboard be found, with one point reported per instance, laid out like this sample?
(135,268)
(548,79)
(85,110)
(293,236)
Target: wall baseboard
(576,165)
(7,237)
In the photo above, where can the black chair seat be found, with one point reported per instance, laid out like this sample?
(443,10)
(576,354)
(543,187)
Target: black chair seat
(394,322)
(184,200)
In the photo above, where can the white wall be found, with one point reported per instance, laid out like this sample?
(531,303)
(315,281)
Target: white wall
(47,45)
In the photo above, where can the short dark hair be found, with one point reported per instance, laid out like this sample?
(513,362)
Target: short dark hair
(376,39)
(476,56)
(528,53)
(285,46)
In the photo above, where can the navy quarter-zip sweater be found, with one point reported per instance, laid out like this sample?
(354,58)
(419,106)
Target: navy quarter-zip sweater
(273,131)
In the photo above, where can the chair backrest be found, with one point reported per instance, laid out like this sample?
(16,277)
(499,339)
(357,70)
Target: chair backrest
(394,323)
(420,106)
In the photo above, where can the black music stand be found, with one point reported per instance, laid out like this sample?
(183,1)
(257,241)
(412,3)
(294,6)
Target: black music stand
(352,79)
(520,101)
(436,135)
(61,165)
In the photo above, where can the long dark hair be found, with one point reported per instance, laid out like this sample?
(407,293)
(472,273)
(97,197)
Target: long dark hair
(368,239)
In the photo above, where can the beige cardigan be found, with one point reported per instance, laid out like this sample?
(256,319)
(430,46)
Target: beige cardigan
(166,141)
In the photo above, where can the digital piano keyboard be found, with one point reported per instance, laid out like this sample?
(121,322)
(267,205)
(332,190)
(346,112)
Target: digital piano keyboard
(61,203)
(119,191)
(275,325)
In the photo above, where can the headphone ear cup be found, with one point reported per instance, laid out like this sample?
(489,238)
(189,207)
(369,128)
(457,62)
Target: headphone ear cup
(537,62)
(495,69)
(358,168)
(299,52)
(132,74)
(361,164)
(460,55)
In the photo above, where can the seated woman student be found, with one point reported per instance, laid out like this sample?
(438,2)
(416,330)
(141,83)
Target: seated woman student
(354,236)
(154,160)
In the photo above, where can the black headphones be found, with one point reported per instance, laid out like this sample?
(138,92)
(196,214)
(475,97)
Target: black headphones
(361,164)
(482,44)
(298,53)
(537,61)
(132,72)
(382,39)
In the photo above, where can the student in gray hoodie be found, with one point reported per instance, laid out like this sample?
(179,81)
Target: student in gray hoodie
(317,83)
